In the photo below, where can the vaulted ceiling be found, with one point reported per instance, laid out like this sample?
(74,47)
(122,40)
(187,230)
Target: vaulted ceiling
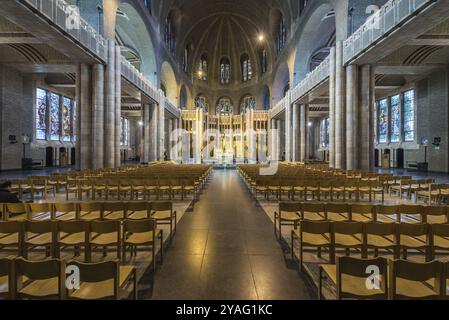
(224,28)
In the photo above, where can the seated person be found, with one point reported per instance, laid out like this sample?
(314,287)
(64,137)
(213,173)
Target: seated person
(6,196)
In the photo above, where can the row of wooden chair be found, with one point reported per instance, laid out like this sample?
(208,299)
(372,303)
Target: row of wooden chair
(395,238)
(291,213)
(383,279)
(19,237)
(49,279)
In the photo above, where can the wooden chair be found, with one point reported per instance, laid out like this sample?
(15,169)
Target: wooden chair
(325,190)
(39,211)
(39,279)
(164,214)
(380,236)
(432,195)
(440,240)
(299,188)
(164,187)
(138,233)
(151,186)
(351,190)
(413,237)
(288,216)
(337,211)
(73,233)
(338,189)
(85,187)
(11,236)
(350,277)
(102,281)
(347,236)
(190,186)
(65,211)
(377,188)
(112,188)
(313,211)
(435,214)
(114,210)
(445,281)
(138,210)
(364,187)
(125,189)
(138,189)
(315,234)
(39,234)
(387,214)
(100,189)
(6,278)
(410,214)
(362,212)
(312,189)
(90,211)
(105,234)
(412,280)
(15,211)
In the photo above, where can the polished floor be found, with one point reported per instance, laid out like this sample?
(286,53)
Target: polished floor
(225,248)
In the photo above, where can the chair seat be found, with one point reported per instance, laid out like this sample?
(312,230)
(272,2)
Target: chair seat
(336,216)
(103,289)
(380,241)
(138,215)
(105,239)
(114,215)
(162,215)
(176,187)
(150,187)
(289,216)
(141,238)
(73,239)
(93,215)
(412,242)
(347,240)
(361,217)
(313,216)
(189,187)
(413,289)
(386,218)
(138,188)
(9,239)
(4,284)
(350,284)
(40,240)
(65,216)
(286,188)
(41,288)
(441,242)
(312,239)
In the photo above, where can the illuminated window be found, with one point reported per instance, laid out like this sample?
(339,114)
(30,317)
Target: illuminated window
(395,105)
(55,130)
(66,119)
(41,114)
(383,121)
(409,115)
(225,71)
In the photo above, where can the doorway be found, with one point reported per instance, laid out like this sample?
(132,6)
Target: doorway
(376,158)
(400,158)
(73,156)
(49,157)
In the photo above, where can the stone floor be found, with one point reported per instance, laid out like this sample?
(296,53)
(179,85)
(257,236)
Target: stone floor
(226,249)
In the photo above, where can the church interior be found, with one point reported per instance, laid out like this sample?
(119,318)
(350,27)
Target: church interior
(224,150)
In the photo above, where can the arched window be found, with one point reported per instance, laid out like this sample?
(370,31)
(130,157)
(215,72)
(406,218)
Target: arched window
(248,103)
(164,89)
(169,34)
(264,60)
(185,59)
(202,69)
(225,71)
(201,103)
(247,70)
(183,98)
(281,34)
(266,98)
(225,107)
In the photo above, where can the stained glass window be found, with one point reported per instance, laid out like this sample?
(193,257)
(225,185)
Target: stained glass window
(225,71)
(124,137)
(395,105)
(375,124)
(248,103)
(281,38)
(169,34)
(264,61)
(66,119)
(383,121)
(41,114)
(324,133)
(409,115)
(202,72)
(247,70)
(54,116)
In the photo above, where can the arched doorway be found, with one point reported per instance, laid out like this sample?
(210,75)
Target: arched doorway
(400,158)
(376,157)
(73,156)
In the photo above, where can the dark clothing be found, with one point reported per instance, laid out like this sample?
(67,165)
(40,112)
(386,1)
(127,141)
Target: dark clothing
(7,197)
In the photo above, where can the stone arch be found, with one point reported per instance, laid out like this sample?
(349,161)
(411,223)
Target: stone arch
(168,80)
(281,81)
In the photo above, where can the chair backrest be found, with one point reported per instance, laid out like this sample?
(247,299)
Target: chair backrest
(114,207)
(289,207)
(418,272)
(380,229)
(104,226)
(411,210)
(38,270)
(412,230)
(5,267)
(64,207)
(39,227)
(99,272)
(139,226)
(363,268)
(365,209)
(90,206)
(10,227)
(337,208)
(73,226)
(347,228)
(388,210)
(435,211)
(161,206)
(315,227)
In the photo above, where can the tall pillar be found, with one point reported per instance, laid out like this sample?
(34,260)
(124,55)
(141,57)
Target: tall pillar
(295,132)
(288,128)
(84,118)
(161,126)
(146,126)
(109,116)
(278,139)
(110,8)
(178,138)
(118,104)
(351,117)
(98,115)
(332,67)
(340,99)
(171,140)
(366,118)
(153,130)
(303,133)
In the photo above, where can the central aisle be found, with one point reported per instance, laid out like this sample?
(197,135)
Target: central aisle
(226,249)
